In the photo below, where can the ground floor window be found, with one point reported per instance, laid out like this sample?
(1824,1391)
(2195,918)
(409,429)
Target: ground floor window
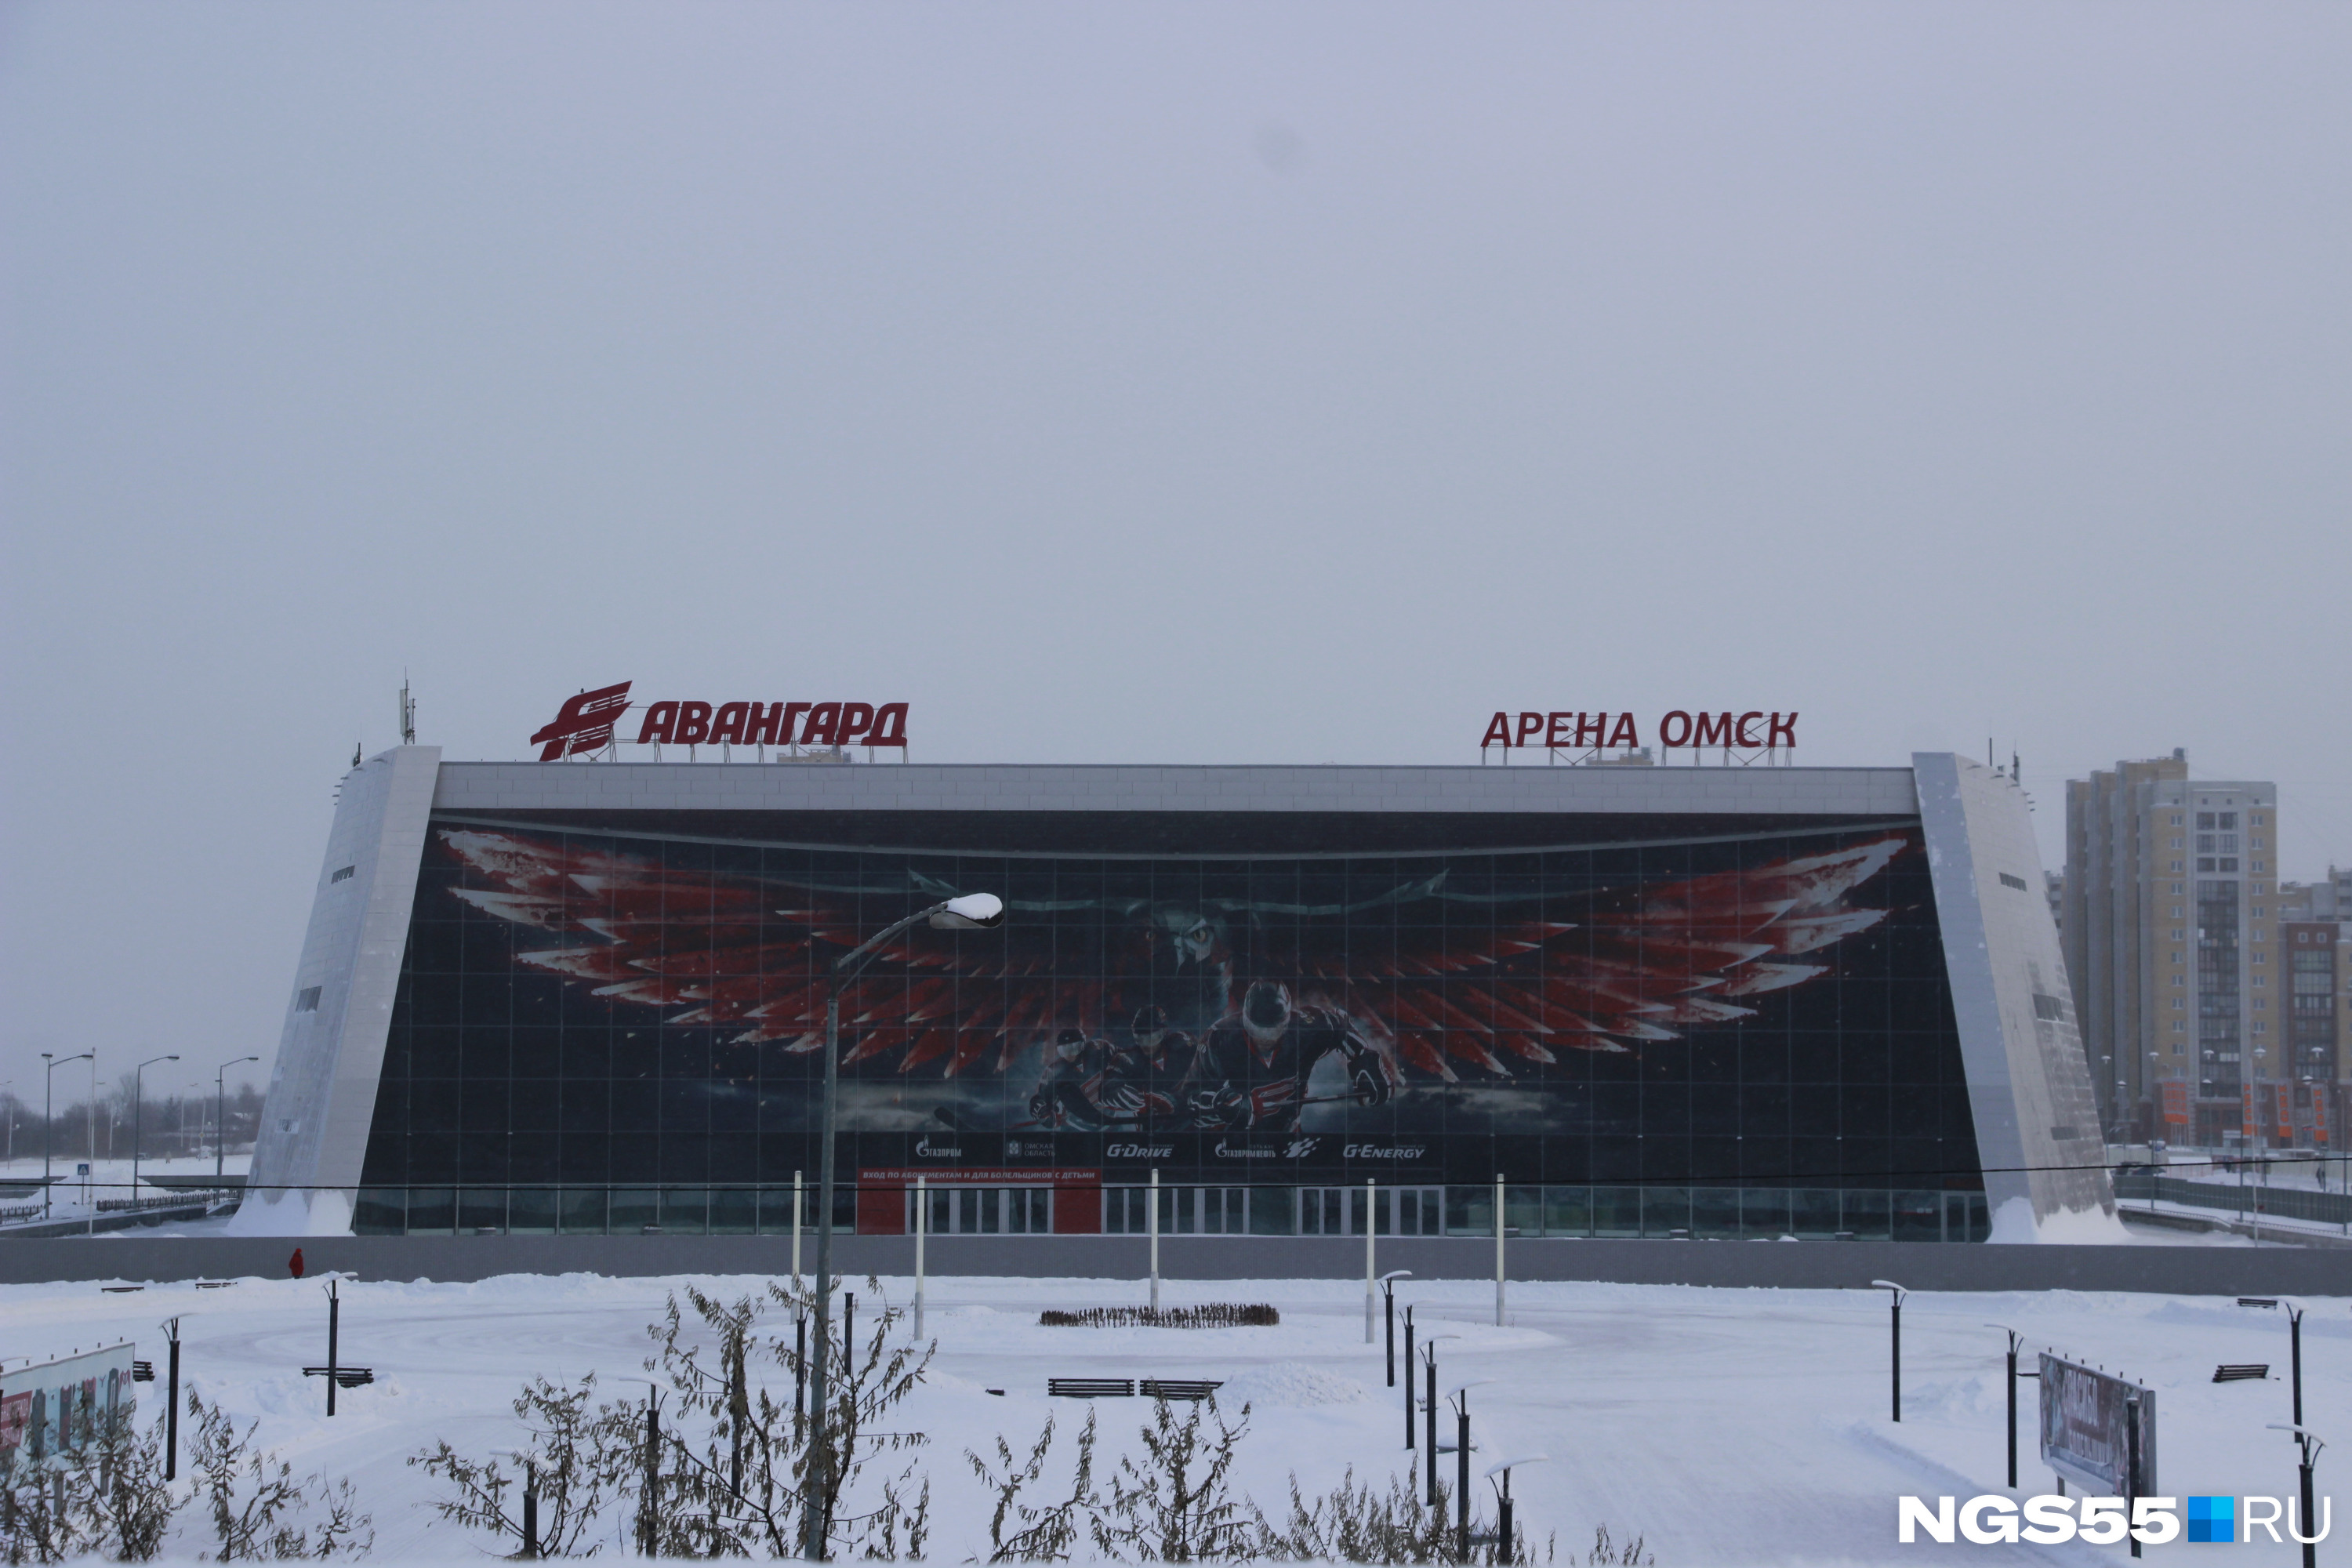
(1662,1212)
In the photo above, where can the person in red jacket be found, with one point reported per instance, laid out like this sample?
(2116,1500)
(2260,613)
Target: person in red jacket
(294,1264)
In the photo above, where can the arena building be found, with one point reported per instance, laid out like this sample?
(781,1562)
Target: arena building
(590,996)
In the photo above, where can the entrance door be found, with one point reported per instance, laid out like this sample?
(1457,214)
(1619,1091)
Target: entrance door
(986,1211)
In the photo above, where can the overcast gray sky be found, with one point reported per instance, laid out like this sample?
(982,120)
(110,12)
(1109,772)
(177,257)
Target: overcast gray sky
(1185,383)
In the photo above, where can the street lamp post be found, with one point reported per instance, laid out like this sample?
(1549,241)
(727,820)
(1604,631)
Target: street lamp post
(49,1117)
(220,1108)
(139,1114)
(972,911)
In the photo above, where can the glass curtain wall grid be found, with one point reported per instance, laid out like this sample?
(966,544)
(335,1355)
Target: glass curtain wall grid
(606,1031)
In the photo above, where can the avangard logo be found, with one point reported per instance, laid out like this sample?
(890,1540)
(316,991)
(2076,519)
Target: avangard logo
(584,723)
(1299,1148)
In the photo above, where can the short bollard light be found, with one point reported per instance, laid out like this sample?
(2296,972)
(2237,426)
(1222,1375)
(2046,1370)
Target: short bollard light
(1461,1397)
(1429,1407)
(2015,1340)
(2295,1343)
(1388,1292)
(1504,1551)
(1895,1364)
(2309,1443)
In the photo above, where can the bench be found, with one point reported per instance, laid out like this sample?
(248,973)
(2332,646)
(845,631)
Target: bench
(345,1376)
(2240,1372)
(1177,1388)
(1090,1387)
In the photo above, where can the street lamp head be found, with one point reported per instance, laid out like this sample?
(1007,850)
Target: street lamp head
(1396,1274)
(972,911)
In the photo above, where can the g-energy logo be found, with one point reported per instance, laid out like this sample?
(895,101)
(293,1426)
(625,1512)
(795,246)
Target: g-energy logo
(1994,1519)
(1383,1151)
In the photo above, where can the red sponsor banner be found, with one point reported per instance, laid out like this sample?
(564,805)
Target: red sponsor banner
(972,1176)
(2173,1093)
(2249,1123)
(2319,1113)
(2283,1101)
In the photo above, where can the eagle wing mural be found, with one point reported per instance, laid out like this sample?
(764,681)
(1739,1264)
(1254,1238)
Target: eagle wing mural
(1498,986)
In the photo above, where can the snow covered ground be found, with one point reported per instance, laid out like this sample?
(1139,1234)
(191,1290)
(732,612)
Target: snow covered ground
(1726,1426)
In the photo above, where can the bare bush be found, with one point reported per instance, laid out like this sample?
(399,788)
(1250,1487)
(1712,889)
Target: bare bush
(1355,1522)
(1627,1554)
(258,1503)
(579,1463)
(1047,1532)
(718,1466)
(1175,1506)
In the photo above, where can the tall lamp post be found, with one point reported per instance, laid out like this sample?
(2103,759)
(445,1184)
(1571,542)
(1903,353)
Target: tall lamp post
(220,1121)
(139,1115)
(48,1097)
(972,911)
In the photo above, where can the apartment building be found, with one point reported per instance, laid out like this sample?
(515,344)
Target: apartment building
(2169,923)
(2316,944)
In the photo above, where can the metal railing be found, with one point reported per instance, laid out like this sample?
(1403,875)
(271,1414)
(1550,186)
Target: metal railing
(2273,1202)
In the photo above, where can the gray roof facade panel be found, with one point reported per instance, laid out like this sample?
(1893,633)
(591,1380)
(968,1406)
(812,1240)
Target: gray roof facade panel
(899,786)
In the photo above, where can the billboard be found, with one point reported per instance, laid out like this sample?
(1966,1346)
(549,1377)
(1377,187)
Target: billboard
(55,1405)
(2084,1435)
(1643,999)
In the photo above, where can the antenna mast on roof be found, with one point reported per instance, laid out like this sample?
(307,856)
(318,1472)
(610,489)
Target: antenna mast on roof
(407,713)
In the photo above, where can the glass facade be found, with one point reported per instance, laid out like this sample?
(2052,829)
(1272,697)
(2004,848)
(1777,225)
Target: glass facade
(1647,1025)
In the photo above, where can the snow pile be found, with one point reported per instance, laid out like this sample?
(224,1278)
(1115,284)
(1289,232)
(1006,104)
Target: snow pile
(1290,1384)
(326,1212)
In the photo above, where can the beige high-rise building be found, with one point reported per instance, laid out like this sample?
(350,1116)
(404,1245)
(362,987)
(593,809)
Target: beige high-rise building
(2169,925)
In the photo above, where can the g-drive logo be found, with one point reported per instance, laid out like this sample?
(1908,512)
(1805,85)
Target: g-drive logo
(1994,1519)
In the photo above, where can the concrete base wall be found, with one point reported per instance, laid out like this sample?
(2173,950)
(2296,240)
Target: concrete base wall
(1121,1261)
